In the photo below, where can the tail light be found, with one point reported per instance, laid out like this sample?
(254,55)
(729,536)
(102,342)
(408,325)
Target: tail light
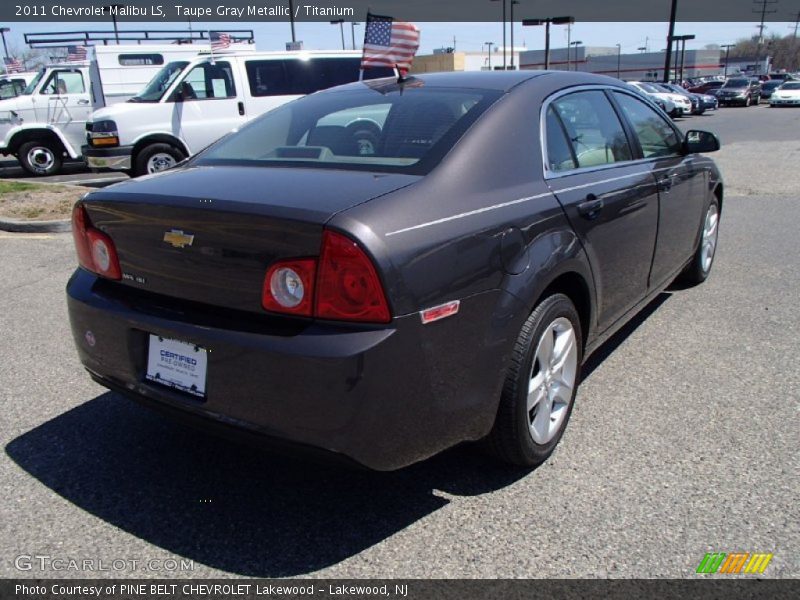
(341,285)
(96,251)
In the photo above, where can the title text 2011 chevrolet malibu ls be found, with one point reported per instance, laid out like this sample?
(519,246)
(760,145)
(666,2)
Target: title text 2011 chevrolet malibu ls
(386,269)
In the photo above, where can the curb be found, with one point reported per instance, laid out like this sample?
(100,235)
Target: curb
(18,226)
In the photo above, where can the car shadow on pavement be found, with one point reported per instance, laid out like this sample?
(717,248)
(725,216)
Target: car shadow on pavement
(239,509)
(229,506)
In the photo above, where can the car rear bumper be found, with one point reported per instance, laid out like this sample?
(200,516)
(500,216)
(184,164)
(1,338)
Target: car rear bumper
(118,158)
(785,102)
(382,396)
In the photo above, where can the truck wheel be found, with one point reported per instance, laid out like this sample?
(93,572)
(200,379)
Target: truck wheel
(157,157)
(40,158)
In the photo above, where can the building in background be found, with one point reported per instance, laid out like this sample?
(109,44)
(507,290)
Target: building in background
(445,59)
(606,60)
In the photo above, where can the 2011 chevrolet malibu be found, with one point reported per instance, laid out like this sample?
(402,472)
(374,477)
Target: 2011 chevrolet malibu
(388,268)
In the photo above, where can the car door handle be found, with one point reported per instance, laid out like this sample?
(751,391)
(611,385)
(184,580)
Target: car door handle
(591,207)
(83,102)
(241,107)
(665,184)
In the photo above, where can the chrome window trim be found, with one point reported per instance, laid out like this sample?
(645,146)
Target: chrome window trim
(547,173)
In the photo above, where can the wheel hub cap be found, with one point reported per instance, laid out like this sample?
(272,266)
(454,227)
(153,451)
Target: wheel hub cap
(41,158)
(709,242)
(160,162)
(552,380)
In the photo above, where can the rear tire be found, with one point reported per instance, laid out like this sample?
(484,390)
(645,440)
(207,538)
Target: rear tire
(40,158)
(699,269)
(540,385)
(156,158)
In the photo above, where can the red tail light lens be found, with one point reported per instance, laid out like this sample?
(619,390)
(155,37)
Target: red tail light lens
(342,285)
(348,287)
(289,287)
(96,251)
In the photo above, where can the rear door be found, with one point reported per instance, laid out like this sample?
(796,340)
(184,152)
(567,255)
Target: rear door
(611,202)
(681,184)
(206,105)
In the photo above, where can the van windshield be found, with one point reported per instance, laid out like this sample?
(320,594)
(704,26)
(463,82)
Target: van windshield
(376,126)
(32,85)
(159,84)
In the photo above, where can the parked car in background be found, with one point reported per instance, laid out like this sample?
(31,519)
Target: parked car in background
(698,106)
(742,91)
(190,104)
(707,87)
(787,94)
(767,87)
(285,285)
(683,105)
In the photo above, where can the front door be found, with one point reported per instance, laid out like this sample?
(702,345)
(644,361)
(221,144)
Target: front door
(63,101)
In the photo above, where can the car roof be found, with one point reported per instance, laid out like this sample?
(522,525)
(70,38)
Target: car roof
(502,81)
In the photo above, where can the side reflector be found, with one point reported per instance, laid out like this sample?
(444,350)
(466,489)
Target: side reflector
(436,313)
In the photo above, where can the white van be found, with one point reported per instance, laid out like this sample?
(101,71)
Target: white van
(189,105)
(46,123)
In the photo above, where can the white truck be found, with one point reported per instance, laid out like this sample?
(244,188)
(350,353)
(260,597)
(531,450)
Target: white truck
(46,123)
(191,104)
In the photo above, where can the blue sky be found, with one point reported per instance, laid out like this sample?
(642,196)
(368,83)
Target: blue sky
(469,36)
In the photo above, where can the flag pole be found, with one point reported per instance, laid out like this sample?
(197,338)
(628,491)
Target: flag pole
(361,67)
(211,46)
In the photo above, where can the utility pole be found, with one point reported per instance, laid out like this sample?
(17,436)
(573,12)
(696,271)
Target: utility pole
(727,52)
(569,52)
(764,12)
(291,20)
(513,2)
(668,58)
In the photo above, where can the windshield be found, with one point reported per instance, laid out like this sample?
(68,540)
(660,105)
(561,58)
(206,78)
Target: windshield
(154,90)
(32,85)
(771,85)
(379,126)
(736,83)
(791,86)
(649,87)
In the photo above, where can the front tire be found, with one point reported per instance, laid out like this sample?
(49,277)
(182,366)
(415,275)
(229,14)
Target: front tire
(699,269)
(40,158)
(540,386)
(156,158)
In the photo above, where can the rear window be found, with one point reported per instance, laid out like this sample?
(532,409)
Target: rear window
(137,60)
(736,83)
(296,77)
(378,127)
(791,86)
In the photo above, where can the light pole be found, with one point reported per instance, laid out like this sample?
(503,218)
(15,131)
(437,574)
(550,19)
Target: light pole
(546,22)
(513,2)
(340,23)
(291,20)
(682,39)
(727,52)
(114,18)
(489,44)
(668,58)
(576,43)
(3,31)
(503,2)
(619,58)
(353,32)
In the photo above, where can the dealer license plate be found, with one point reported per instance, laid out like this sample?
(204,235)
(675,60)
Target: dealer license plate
(178,365)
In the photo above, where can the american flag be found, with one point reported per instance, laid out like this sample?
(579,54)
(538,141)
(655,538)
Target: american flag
(13,65)
(219,41)
(389,43)
(76,53)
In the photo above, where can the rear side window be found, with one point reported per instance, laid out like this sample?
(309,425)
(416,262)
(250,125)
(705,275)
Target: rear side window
(559,155)
(207,81)
(595,133)
(137,60)
(64,82)
(294,77)
(656,137)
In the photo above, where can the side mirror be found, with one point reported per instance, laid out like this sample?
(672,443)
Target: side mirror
(697,141)
(177,96)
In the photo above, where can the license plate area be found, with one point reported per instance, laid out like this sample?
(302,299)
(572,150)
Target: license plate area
(178,365)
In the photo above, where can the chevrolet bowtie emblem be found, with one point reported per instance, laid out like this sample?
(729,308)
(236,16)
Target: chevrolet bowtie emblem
(178,239)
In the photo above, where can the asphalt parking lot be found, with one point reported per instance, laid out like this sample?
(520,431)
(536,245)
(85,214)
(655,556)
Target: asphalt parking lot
(684,438)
